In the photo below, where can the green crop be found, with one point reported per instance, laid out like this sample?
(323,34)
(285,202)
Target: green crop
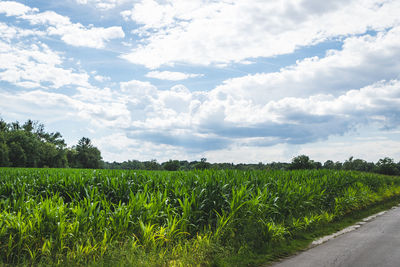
(79,215)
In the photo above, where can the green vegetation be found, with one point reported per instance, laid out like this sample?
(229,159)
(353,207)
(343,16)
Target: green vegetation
(139,218)
(302,162)
(29,145)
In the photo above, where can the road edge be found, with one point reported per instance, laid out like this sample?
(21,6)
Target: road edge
(348,229)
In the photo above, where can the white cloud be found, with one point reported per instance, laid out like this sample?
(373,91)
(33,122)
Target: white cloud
(171,75)
(74,34)
(103,4)
(38,104)
(102,79)
(8,33)
(119,147)
(99,112)
(11,8)
(222,32)
(308,101)
(138,88)
(211,125)
(361,61)
(36,65)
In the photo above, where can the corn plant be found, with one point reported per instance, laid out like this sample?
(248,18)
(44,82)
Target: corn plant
(70,214)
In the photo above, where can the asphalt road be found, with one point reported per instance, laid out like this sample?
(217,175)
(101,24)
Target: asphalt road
(376,243)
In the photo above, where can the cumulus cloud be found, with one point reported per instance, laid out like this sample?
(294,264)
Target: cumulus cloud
(171,75)
(74,34)
(205,121)
(222,32)
(101,111)
(39,104)
(361,61)
(308,101)
(35,65)
(314,99)
(7,32)
(11,8)
(119,147)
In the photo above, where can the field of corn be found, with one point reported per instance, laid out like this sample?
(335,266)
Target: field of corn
(64,216)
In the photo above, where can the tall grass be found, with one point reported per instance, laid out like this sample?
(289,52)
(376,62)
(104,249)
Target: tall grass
(82,216)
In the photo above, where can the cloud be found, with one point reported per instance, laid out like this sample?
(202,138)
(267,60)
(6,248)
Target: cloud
(194,123)
(102,79)
(223,32)
(199,122)
(101,112)
(35,65)
(38,104)
(74,34)
(171,75)
(119,147)
(312,100)
(102,4)
(7,33)
(374,104)
(361,61)
(11,8)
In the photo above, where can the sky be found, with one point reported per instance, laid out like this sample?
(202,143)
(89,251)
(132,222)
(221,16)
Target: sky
(242,81)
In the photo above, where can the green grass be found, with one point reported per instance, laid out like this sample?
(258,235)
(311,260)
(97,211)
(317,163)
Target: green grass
(204,218)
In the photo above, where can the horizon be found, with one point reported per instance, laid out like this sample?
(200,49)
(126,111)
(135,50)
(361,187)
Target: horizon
(230,81)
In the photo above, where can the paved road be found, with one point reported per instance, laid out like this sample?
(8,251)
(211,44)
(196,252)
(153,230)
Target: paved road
(374,244)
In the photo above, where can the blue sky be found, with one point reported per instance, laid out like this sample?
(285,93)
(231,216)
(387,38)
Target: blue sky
(231,81)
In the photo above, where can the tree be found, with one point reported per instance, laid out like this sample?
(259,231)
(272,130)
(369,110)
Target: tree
(17,155)
(171,165)
(151,165)
(4,158)
(358,165)
(72,158)
(203,164)
(301,162)
(387,166)
(329,164)
(88,156)
(132,165)
(51,156)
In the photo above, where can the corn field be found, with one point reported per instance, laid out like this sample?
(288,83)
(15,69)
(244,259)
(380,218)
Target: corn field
(79,215)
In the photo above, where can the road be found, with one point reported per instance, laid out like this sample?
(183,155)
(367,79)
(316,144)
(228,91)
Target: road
(374,244)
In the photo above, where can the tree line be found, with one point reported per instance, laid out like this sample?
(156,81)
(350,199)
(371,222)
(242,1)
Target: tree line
(383,166)
(29,145)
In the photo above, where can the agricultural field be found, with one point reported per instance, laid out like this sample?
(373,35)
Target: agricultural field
(143,218)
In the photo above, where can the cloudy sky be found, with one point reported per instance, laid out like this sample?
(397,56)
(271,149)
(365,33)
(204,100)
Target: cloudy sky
(232,81)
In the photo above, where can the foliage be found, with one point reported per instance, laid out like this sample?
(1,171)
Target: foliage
(87,155)
(171,165)
(383,166)
(202,165)
(358,165)
(302,162)
(387,166)
(29,145)
(83,216)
